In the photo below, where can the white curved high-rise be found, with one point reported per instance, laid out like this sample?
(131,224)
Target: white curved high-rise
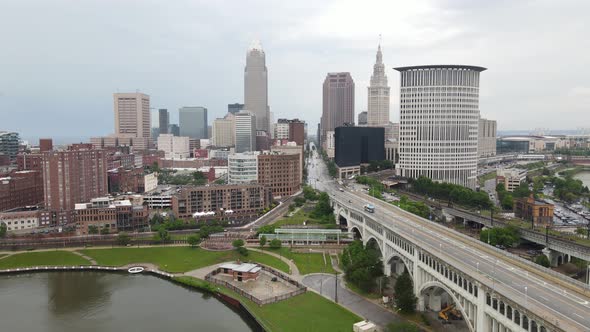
(256,86)
(378,95)
(439,120)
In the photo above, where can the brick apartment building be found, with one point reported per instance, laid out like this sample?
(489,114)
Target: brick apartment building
(280,172)
(540,213)
(114,215)
(30,161)
(19,189)
(123,180)
(214,202)
(73,176)
(20,218)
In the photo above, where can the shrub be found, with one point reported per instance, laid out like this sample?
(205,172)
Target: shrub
(275,244)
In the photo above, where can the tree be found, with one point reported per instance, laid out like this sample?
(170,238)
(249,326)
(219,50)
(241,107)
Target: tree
(3,229)
(105,230)
(505,236)
(362,265)
(162,235)
(242,251)
(193,240)
(275,244)
(93,229)
(123,239)
(262,241)
(238,243)
(542,260)
(507,202)
(266,229)
(404,293)
(522,191)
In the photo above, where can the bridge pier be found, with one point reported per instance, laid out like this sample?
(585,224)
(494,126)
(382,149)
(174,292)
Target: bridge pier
(555,257)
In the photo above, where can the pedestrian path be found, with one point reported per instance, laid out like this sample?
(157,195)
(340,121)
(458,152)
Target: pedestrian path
(90,259)
(292,267)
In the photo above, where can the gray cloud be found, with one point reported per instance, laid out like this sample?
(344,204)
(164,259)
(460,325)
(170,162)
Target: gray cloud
(62,60)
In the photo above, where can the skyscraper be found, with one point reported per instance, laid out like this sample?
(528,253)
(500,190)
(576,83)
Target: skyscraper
(245,131)
(256,86)
(439,120)
(378,95)
(164,118)
(338,102)
(132,114)
(193,122)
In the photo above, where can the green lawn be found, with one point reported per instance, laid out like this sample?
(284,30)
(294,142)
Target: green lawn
(297,219)
(42,258)
(2,255)
(307,262)
(177,259)
(305,312)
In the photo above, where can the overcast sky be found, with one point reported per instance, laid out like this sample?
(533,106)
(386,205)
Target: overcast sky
(60,61)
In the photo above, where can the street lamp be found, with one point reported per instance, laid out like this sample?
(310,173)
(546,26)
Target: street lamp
(477,264)
(525,296)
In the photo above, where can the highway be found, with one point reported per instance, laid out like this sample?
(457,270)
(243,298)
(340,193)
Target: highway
(567,310)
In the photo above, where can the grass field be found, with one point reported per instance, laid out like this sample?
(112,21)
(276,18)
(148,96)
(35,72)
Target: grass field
(177,259)
(42,258)
(307,263)
(297,219)
(305,312)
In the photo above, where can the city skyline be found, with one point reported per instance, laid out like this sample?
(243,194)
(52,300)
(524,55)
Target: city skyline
(548,81)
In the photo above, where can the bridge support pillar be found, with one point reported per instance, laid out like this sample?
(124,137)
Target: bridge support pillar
(387,269)
(481,321)
(555,257)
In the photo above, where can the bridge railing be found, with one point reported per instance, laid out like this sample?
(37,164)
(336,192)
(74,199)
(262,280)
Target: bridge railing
(478,243)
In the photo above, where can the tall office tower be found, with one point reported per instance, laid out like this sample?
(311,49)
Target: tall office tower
(234,108)
(164,118)
(338,102)
(193,122)
(245,131)
(378,95)
(73,176)
(132,114)
(223,131)
(9,145)
(256,86)
(362,119)
(439,120)
(486,146)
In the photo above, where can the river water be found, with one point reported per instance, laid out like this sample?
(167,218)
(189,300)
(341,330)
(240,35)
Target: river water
(584,176)
(97,301)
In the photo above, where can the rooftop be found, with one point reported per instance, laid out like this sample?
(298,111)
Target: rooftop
(245,267)
(464,67)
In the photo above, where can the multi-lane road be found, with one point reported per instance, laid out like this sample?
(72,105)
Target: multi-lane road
(570,311)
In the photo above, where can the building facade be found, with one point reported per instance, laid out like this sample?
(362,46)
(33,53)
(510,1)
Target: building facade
(245,132)
(193,122)
(355,146)
(378,95)
(362,118)
(73,176)
(132,115)
(215,202)
(116,216)
(510,177)
(439,121)
(537,212)
(280,172)
(282,129)
(20,189)
(20,218)
(174,147)
(234,108)
(164,121)
(45,144)
(9,145)
(256,86)
(486,143)
(337,103)
(242,168)
(223,131)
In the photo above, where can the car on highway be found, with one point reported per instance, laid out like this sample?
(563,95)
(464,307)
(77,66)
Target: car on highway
(341,189)
(369,208)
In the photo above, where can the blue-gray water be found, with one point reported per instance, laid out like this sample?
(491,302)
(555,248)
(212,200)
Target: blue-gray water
(95,301)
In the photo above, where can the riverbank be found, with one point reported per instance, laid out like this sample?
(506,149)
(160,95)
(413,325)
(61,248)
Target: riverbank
(305,312)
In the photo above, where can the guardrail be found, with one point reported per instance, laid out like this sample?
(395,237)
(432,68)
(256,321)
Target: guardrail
(50,268)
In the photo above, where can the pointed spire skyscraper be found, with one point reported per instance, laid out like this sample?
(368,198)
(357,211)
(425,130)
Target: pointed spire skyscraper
(256,86)
(378,95)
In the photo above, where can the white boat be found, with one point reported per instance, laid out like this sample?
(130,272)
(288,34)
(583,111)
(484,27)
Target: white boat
(135,269)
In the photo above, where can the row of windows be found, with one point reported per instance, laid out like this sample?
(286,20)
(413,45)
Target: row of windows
(514,315)
(448,273)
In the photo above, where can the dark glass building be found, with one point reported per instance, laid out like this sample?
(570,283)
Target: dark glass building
(358,145)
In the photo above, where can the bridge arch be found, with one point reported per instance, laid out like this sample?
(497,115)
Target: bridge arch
(397,263)
(436,284)
(357,233)
(372,241)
